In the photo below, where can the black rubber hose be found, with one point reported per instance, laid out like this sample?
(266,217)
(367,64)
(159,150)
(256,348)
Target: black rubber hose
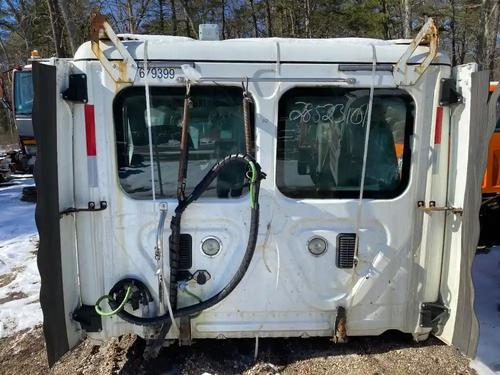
(242,269)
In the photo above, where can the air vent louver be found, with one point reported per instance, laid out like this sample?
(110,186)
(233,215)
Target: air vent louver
(185,252)
(346,244)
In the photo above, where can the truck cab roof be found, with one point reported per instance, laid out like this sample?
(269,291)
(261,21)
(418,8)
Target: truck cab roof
(263,50)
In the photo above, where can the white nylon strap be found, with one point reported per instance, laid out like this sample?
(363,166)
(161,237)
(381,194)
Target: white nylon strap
(148,119)
(365,153)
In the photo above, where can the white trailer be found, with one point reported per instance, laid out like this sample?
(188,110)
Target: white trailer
(349,205)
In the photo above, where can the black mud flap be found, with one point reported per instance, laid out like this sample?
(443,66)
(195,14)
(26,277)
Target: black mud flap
(50,259)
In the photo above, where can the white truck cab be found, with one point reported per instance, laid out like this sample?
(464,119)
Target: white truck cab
(258,188)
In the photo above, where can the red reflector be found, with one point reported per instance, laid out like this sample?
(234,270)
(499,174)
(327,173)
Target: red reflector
(90,129)
(439,125)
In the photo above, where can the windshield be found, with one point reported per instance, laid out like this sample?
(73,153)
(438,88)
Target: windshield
(23,92)
(215,131)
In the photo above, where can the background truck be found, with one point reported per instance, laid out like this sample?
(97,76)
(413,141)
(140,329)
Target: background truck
(490,208)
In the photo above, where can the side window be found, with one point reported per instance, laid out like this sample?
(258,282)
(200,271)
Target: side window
(321,137)
(215,130)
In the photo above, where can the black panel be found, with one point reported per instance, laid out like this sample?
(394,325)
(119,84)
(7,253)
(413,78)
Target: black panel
(346,245)
(448,94)
(47,211)
(77,90)
(88,318)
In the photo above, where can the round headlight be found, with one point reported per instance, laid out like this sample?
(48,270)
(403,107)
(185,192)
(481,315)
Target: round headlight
(317,246)
(211,246)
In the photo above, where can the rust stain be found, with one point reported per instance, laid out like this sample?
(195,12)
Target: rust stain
(340,335)
(97,21)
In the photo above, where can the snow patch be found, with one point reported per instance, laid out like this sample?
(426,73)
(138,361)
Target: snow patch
(486,277)
(19,278)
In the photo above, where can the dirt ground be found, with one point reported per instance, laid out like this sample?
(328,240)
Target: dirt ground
(392,353)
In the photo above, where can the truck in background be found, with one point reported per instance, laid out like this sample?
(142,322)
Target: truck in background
(22,103)
(490,208)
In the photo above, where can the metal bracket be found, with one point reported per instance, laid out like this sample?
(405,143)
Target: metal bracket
(88,318)
(433,208)
(91,208)
(340,333)
(185,331)
(77,89)
(407,75)
(431,314)
(122,71)
(448,94)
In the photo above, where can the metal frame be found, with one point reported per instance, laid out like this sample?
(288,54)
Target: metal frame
(123,71)
(407,75)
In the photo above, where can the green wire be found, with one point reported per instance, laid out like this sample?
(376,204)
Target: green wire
(192,295)
(185,290)
(108,297)
(252,184)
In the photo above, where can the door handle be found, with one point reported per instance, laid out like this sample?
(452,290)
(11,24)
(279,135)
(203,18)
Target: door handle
(433,208)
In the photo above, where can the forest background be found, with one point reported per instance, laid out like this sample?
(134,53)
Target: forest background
(468,29)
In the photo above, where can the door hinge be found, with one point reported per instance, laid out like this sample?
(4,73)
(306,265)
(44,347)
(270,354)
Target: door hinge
(432,314)
(448,94)
(88,318)
(77,90)
(433,208)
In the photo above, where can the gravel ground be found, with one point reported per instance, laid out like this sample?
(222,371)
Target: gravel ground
(391,353)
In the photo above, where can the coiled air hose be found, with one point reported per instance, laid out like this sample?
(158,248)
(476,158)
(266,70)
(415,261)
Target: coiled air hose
(255,177)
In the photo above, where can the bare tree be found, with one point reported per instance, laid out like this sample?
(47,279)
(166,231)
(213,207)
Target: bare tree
(161,16)
(70,23)
(269,19)
(174,17)
(406,19)
(56,20)
(223,16)
(307,22)
(453,25)
(488,36)
(189,18)
(22,26)
(254,18)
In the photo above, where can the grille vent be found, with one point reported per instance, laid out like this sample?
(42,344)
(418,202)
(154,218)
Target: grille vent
(185,251)
(346,243)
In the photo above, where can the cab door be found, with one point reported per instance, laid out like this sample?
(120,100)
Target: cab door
(57,257)
(472,123)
